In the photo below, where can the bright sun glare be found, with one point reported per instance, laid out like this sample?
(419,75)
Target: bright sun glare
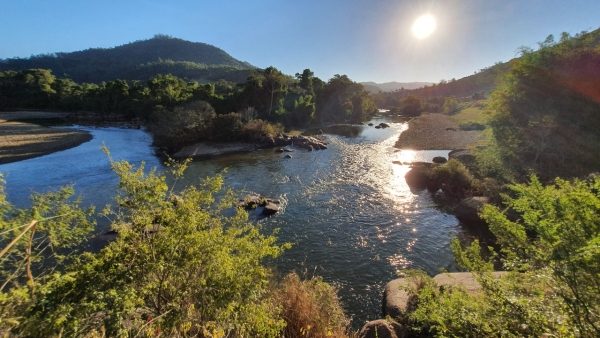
(424,26)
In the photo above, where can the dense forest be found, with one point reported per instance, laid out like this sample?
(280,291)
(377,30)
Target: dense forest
(179,112)
(140,60)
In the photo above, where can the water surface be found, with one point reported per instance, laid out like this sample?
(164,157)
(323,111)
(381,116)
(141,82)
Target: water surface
(347,210)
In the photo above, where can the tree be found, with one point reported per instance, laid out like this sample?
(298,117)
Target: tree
(177,267)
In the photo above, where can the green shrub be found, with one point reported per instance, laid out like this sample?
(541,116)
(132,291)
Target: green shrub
(550,245)
(177,267)
(454,179)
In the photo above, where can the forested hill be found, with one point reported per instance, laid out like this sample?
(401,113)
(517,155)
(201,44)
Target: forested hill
(482,82)
(140,60)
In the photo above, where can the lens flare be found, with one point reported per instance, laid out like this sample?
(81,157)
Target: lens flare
(424,26)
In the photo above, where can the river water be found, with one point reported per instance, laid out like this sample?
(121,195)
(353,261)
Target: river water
(347,210)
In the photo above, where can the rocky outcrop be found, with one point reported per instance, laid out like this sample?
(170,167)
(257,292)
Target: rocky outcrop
(464,156)
(382,125)
(467,211)
(419,175)
(397,298)
(382,328)
(439,160)
(269,206)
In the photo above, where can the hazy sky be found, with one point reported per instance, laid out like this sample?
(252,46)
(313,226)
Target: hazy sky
(366,39)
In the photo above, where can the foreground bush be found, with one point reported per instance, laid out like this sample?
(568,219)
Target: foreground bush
(177,267)
(552,247)
(310,308)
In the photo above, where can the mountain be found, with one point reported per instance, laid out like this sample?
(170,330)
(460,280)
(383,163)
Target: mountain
(140,60)
(373,87)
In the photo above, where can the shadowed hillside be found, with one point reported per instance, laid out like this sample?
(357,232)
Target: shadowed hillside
(140,60)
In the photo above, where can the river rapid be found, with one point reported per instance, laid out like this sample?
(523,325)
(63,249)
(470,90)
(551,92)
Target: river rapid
(347,210)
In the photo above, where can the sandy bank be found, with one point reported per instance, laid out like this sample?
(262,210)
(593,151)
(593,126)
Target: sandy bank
(22,140)
(436,132)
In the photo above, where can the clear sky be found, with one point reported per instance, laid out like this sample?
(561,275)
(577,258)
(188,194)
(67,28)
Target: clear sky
(369,40)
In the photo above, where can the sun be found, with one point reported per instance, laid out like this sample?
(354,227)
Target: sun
(424,26)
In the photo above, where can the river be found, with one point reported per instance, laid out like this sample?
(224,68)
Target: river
(347,210)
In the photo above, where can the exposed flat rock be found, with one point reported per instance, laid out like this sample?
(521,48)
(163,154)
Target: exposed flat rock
(466,280)
(209,149)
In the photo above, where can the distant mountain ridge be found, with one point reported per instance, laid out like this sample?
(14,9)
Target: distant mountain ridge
(374,87)
(140,60)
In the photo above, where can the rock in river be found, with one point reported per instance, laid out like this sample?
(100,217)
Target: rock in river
(439,160)
(467,211)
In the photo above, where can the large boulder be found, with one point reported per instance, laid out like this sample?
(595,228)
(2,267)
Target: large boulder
(467,211)
(382,328)
(397,298)
(464,156)
(418,176)
(271,207)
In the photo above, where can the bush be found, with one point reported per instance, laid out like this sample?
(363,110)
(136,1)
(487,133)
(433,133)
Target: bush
(310,308)
(454,179)
(177,267)
(550,246)
(181,125)
(226,127)
(257,130)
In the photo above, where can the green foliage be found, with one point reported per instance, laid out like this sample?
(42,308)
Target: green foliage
(54,241)
(550,246)
(342,100)
(546,111)
(177,267)
(454,179)
(411,106)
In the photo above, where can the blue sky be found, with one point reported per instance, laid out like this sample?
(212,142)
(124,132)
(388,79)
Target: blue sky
(365,39)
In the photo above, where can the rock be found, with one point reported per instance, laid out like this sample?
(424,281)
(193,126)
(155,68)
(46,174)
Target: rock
(465,280)
(418,176)
(451,129)
(251,201)
(463,155)
(288,156)
(370,124)
(439,160)
(378,127)
(467,211)
(271,207)
(397,301)
(383,125)
(382,328)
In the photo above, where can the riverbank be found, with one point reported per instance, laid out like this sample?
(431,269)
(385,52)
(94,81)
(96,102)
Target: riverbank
(20,140)
(437,131)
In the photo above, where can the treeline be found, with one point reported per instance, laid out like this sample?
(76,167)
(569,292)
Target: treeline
(165,101)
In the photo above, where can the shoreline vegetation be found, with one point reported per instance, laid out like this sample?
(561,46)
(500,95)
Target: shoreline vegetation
(22,138)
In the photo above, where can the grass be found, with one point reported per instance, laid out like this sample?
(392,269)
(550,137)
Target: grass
(472,112)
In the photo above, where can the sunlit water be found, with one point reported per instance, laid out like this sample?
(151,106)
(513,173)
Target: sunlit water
(348,211)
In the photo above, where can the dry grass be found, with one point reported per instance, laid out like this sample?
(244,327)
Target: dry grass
(310,308)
